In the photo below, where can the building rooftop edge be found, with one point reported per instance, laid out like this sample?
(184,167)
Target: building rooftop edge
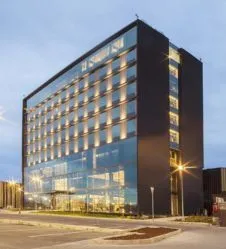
(83,56)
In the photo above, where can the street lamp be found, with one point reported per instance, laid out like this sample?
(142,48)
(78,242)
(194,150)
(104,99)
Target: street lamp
(181,169)
(152,202)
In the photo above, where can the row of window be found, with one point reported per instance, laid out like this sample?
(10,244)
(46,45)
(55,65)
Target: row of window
(97,138)
(88,81)
(95,106)
(174,60)
(106,118)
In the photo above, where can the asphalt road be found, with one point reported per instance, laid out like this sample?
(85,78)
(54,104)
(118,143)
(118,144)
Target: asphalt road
(30,237)
(76,220)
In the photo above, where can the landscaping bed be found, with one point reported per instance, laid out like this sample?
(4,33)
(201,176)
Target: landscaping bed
(144,233)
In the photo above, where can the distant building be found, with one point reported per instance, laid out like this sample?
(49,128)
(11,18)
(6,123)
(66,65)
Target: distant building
(115,122)
(10,195)
(214,186)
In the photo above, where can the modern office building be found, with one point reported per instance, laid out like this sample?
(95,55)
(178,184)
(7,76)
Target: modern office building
(115,122)
(10,195)
(214,187)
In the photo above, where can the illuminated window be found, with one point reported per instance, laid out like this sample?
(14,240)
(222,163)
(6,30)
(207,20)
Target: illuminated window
(123,130)
(173,102)
(109,117)
(174,137)
(123,93)
(173,54)
(109,135)
(174,119)
(123,111)
(173,71)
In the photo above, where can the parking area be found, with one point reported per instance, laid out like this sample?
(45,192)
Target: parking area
(28,237)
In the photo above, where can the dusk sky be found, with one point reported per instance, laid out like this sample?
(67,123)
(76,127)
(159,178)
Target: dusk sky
(39,38)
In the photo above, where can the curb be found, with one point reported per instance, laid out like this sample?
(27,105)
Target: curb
(61,226)
(135,241)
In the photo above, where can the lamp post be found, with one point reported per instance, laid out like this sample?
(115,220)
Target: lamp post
(181,169)
(152,202)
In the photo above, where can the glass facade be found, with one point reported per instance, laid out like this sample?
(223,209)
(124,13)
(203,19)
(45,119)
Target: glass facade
(80,135)
(174,61)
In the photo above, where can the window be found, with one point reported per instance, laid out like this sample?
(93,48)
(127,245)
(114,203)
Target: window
(174,137)
(63,133)
(91,78)
(103,118)
(103,86)
(115,64)
(71,131)
(80,98)
(173,87)
(103,135)
(81,84)
(71,116)
(174,119)
(116,131)
(131,73)
(63,121)
(131,89)
(173,102)
(131,126)
(63,95)
(72,90)
(80,127)
(63,107)
(80,142)
(80,112)
(71,146)
(131,107)
(102,102)
(91,92)
(90,107)
(90,123)
(115,113)
(116,79)
(173,54)
(102,72)
(115,96)
(91,139)
(173,71)
(131,56)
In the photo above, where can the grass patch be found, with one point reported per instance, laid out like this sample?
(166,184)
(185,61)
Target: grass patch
(200,219)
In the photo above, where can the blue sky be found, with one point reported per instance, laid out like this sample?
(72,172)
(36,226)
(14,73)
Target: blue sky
(39,38)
